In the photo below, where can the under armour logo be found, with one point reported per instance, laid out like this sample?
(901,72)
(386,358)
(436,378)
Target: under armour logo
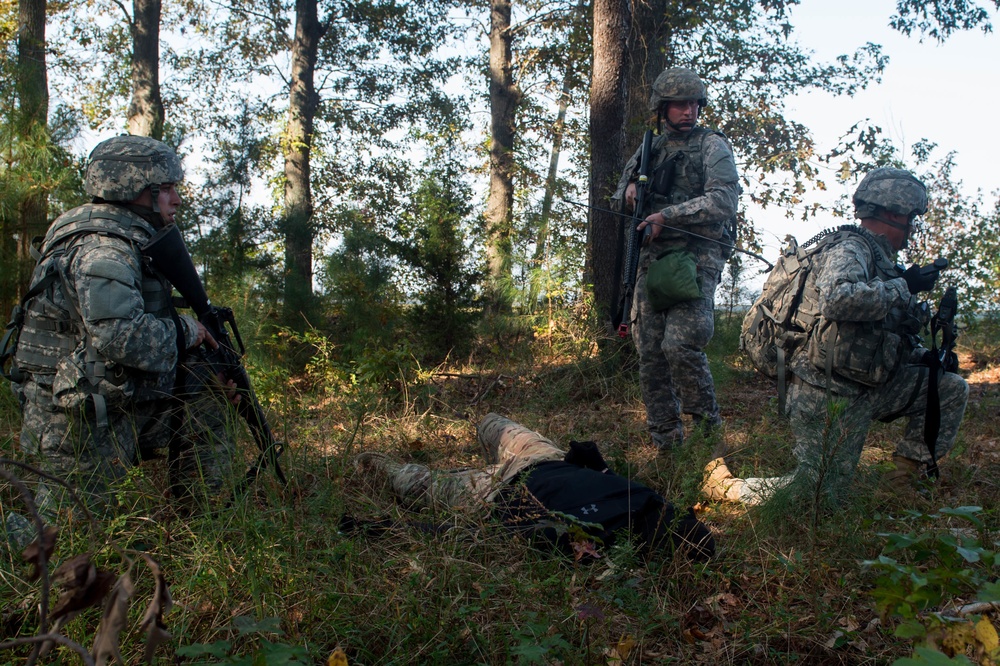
(587,510)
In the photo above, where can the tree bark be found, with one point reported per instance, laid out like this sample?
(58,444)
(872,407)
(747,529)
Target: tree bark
(649,43)
(303,103)
(145,111)
(504,97)
(541,237)
(32,121)
(608,97)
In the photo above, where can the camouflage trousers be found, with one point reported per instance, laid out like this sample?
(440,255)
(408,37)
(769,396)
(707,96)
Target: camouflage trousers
(517,449)
(71,446)
(673,369)
(829,435)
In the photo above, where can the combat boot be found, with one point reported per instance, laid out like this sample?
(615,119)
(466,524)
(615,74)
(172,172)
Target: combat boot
(719,483)
(905,477)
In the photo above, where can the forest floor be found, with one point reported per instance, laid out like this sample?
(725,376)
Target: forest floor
(273,579)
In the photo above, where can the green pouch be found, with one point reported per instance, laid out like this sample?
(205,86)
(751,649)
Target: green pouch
(672,279)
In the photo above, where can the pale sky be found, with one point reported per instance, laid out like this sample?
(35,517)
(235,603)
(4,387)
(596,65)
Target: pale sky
(945,93)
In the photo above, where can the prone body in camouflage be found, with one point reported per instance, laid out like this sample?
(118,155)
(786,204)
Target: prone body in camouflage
(702,198)
(510,449)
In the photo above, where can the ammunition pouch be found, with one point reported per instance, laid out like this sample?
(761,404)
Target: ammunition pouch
(859,351)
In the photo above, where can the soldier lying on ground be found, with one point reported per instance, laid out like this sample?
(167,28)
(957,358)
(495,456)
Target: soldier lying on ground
(536,488)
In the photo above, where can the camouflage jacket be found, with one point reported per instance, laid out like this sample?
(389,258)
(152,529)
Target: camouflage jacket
(107,324)
(865,310)
(703,192)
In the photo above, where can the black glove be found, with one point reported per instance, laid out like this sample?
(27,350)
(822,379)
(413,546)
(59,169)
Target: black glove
(917,280)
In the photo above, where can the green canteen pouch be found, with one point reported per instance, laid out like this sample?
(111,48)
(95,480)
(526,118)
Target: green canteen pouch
(672,279)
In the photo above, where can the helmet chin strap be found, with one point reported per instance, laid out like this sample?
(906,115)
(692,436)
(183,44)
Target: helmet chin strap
(907,228)
(154,191)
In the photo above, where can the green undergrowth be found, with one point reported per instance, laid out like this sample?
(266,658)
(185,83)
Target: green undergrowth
(273,579)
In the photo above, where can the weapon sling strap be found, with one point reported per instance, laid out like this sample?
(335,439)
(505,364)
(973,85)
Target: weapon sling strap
(932,413)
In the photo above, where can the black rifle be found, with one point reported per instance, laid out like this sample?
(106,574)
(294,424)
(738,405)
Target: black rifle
(939,359)
(169,256)
(634,239)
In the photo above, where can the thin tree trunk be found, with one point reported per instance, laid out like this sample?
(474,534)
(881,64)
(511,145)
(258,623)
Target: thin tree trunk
(550,187)
(145,111)
(504,97)
(303,103)
(608,97)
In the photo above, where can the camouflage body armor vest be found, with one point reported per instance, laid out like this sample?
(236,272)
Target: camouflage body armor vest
(678,175)
(53,348)
(866,352)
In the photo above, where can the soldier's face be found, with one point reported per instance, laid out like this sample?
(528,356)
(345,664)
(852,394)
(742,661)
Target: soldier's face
(898,232)
(683,115)
(169,201)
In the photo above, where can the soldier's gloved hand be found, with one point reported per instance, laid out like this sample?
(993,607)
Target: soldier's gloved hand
(917,281)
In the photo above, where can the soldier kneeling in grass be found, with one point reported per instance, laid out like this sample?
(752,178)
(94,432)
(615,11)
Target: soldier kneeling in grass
(565,499)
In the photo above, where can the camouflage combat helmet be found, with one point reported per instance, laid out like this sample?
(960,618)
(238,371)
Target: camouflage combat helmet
(677,84)
(895,190)
(120,168)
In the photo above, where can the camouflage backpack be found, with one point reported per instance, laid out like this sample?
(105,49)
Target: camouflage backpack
(780,320)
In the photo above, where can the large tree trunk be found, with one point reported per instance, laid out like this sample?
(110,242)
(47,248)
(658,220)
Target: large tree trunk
(649,42)
(32,122)
(608,95)
(302,106)
(504,97)
(145,111)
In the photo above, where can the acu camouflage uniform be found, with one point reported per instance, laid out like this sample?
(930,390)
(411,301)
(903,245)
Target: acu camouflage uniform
(673,369)
(867,298)
(862,361)
(510,448)
(101,345)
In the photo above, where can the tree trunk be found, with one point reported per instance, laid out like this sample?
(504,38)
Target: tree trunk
(145,111)
(32,122)
(649,42)
(504,97)
(302,106)
(608,95)
(541,237)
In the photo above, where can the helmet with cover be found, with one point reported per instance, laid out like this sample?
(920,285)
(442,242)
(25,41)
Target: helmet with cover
(121,167)
(677,84)
(895,190)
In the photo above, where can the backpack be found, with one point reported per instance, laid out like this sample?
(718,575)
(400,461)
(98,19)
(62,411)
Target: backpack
(783,316)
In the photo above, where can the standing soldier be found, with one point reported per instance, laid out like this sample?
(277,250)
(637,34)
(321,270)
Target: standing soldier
(105,368)
(693,187)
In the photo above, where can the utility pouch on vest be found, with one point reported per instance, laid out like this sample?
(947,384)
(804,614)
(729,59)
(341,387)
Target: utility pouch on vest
(82,375)
(855,350)
(662,182)
(672,279)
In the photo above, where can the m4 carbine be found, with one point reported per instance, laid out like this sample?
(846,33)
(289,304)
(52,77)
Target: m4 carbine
(169,256)
(634,240)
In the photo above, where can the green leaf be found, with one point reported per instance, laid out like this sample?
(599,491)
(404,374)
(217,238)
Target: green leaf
(969,554)
(247,625)
(910,629)
(970,513)
(929,657)
(218,649)
(989,592)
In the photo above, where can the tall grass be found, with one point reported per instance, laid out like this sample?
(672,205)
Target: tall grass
(787,585)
